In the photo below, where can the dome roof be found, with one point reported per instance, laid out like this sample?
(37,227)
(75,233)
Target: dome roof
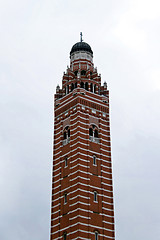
(81,46)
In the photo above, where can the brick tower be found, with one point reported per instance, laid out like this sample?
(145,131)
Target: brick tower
(82,191)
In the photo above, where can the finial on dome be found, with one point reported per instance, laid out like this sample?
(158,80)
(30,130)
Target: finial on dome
(81,36)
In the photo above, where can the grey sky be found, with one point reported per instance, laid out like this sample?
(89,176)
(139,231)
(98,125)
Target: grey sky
(36,38)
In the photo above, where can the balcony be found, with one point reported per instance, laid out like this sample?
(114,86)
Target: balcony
(94,139)
(66,141)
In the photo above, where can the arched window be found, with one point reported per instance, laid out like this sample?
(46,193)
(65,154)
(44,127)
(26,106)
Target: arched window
(66,135)
(66,162)
(95,88)
(94,160)
(96,235)
(95,196)
(93,134)
(91,87)
(86,85)
(82,84)
(65,236)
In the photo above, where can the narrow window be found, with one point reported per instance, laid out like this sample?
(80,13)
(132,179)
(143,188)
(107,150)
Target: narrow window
(95,88)
(66,162)
(65,135)
(67,89)
(96,235)
(65,236)
(96,133)
(91,87)
(69,133)
(82,84)
(86,85)
(95,196)
(72,87)
(94,160)
(91,132)
(65,198)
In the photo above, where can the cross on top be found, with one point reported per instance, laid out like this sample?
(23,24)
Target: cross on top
(81,36)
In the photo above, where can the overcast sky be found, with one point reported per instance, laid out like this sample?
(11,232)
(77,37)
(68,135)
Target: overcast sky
(35,40)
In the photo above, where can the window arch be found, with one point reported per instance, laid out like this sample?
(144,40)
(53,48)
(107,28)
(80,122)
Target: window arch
(93,134)
(66,135)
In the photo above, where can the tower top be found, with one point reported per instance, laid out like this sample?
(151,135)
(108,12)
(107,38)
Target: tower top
(81,46)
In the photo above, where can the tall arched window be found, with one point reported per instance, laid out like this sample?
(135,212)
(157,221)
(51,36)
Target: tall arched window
(66,135)
(94,160)
(66,162)
(95,196)
(96,235)
(95,88)
(93,134)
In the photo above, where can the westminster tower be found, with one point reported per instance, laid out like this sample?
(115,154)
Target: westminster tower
(82,190)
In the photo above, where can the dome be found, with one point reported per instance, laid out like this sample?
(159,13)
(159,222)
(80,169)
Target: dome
(81,46)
